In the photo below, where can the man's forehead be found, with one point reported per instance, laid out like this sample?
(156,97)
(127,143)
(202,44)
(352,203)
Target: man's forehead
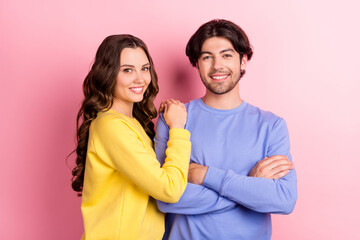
(217,45)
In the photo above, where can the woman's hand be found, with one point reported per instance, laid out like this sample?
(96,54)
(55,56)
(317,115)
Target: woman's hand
(174,113)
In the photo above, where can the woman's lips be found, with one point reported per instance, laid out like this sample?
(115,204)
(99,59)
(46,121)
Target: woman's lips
(136,90)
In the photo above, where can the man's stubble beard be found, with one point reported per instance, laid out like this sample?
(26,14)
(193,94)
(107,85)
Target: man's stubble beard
(220,88)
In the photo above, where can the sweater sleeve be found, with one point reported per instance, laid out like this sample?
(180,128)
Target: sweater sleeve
(196,199)
(127,153)
(259,194)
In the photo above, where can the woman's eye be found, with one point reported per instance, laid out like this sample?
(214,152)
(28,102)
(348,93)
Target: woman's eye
(127,70)
(146,69)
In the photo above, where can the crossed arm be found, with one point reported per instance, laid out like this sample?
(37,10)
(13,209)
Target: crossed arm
(269,188)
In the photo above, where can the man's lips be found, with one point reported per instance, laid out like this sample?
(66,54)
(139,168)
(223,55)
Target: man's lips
(219,77)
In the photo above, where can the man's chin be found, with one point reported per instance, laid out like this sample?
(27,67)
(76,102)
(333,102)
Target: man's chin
(219,90)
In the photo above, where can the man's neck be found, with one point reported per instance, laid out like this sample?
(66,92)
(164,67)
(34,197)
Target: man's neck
(225,101)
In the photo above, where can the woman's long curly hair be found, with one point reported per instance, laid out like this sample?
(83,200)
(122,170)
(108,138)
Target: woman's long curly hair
(99,88)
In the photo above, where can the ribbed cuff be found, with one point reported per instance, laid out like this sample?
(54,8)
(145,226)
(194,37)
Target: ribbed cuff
(214,178)
(179,133)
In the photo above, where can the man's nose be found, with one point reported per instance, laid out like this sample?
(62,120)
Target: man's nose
(218,63)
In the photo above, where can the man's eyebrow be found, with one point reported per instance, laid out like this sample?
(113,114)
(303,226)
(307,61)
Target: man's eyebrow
(205,52)
(222,51)
(227,50)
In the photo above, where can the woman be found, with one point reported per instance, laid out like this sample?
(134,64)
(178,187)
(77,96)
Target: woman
(117,170)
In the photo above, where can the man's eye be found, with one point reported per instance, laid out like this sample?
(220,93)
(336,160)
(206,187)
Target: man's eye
(206,58)
(228,55)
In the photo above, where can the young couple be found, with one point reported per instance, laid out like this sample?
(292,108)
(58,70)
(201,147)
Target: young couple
(223,182)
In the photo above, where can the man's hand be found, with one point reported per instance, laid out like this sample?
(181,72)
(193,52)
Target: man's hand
(197,173)
(273,167)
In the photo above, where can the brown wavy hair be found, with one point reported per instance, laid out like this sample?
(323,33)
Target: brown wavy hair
(99,88)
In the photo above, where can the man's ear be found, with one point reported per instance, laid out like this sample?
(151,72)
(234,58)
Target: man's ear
(244,61)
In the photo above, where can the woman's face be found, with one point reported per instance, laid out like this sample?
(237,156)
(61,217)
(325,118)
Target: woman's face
(133,77)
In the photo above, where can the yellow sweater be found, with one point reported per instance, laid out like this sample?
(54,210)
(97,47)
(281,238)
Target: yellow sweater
(123,176)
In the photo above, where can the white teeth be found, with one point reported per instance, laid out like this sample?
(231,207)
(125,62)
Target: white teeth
(219,77)
(137,90)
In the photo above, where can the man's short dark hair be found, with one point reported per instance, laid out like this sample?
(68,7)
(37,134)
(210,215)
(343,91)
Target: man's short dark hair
(218,28)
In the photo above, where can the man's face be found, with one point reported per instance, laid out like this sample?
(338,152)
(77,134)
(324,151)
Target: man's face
(219,65)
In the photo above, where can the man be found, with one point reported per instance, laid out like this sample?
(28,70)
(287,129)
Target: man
(241,169)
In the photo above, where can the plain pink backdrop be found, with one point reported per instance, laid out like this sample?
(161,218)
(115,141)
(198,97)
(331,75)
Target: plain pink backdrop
(305,68)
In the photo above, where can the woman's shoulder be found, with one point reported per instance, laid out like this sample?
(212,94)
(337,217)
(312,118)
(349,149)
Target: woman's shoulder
(111,120)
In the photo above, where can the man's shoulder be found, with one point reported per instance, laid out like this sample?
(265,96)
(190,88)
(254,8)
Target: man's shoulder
(265,115)
(191,103)
(192,106)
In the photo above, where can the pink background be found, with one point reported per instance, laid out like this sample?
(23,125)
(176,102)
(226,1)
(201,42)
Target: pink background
(305,69)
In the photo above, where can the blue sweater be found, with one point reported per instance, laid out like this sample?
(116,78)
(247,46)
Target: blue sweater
(229,205)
